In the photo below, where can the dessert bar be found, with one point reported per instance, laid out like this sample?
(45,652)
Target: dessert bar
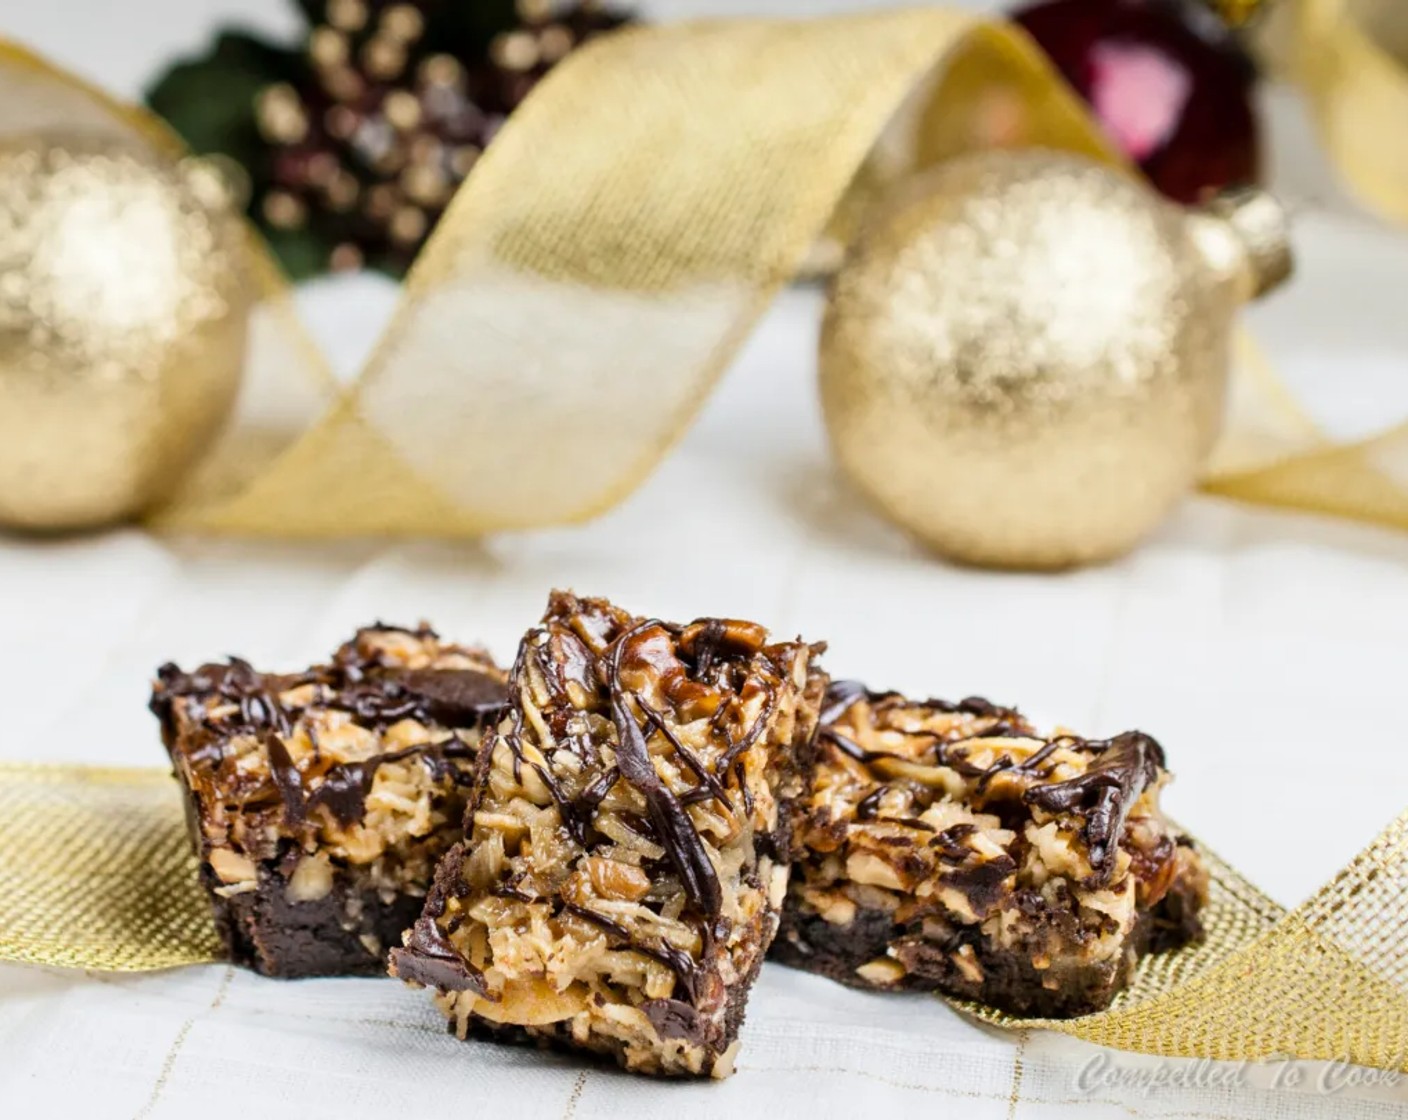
(951,848)
(320,802)
(625,855)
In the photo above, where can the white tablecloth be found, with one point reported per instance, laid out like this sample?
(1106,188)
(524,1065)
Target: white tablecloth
(1265,650)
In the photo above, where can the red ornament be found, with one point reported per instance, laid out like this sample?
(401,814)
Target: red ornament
(1169,82)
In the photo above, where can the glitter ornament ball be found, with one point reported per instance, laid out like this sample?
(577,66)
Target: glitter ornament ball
(1024,359)
(124,305)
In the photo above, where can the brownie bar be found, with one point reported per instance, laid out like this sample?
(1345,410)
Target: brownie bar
(319,803)
(949,847)
(626,852)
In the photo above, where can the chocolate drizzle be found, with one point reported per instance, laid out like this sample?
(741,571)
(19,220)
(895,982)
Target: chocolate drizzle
(344,788)
(287,779)
(237,683)
(869,805)
(672,1018)
(584,806)
(455,697)
(430,959)
(565,655)
(847,745)
(841,696)
(1105,793)
(375,694)
(707,645)
(676,960)
(1101,797)
(678,836)
(950,844)
(709,786)
(750,737)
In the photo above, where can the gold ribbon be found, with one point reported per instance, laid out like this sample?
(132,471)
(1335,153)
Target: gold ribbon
(603,264)
(1350,57)
(96,871)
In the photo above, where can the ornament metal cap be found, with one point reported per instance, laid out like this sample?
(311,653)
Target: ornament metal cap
(1260,228)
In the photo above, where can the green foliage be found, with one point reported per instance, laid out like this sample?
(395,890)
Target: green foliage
(210,101)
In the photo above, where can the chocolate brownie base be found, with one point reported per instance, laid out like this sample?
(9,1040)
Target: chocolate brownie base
(265,931)
(810,943)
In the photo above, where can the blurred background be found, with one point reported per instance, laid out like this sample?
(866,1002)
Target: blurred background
(123,48)
(130,50)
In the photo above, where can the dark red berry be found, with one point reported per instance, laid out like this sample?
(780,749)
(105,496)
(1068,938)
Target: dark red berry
(1171,85)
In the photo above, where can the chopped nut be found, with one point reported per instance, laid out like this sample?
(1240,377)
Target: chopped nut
(728,633)
(882,972)
(864,867)
(311,879)
(777,886)
(613,879)
(724,1063)
(231,867)
(966,962)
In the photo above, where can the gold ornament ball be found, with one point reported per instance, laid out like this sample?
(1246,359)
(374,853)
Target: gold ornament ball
(124,305)
(1024,359)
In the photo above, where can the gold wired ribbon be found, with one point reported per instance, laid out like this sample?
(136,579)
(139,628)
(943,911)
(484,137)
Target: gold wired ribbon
(588,285)
(1351,57)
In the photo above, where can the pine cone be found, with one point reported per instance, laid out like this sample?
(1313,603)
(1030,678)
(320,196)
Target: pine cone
(392,107)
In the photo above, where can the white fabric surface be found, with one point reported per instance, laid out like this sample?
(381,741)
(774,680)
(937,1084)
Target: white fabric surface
(1265,650)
